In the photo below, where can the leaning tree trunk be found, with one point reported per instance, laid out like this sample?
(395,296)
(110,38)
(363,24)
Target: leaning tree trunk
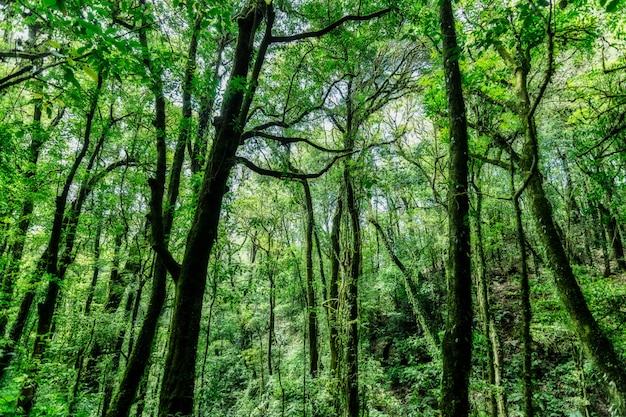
(457,341)
(596,344)
(63,222)
(16,248)
(417,300)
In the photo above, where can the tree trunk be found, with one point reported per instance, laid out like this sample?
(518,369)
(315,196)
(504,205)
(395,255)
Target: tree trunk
(64,221)
(527,340)
(115,361)
(96,268)
(272,323)
(177,390)
(142,346)
(16,250)
(311,303)
(17,246)
(497,398)
(612,229)
(600,236)
(161,220)
(113,301)
(15,253)
(333,288)
(352,300)
(595,343)
(457,342)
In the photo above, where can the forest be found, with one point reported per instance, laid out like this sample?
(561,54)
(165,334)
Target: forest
(357,208)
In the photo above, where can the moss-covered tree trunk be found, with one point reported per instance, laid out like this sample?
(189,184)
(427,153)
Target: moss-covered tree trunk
(333,288)
(596,344)
(352,300)
(457,341)
(527,341)
(310,286)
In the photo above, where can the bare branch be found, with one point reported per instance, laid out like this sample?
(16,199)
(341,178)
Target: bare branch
(329,28)
(24,55)
(286,140)
(612,133)
(291,175)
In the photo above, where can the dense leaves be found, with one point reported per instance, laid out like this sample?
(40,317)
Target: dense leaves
(159,252)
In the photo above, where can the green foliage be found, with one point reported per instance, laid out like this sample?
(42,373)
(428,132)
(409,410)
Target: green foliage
(387,72)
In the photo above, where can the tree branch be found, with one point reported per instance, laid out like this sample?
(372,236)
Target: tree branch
(329,28)
(612,133)
(11,80)
(286,140)
(287,174)
(24,55)
(495,162)
(172,266)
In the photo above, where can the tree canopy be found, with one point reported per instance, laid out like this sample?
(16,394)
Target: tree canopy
(293,208)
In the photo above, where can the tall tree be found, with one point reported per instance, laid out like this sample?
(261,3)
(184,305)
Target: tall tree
(457,341)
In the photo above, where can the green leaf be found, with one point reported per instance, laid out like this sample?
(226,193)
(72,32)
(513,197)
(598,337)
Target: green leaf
(90,72)
(53,44)
(612,6)
(69,77)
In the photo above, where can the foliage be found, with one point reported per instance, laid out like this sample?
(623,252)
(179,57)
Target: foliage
(381,82)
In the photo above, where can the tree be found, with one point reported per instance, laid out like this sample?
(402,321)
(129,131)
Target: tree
(457,341)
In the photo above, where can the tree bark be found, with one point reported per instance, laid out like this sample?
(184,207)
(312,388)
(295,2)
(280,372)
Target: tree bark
(352,299)
(612,229)
(527,341)
(333,288)
(457,341)
(310,288)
